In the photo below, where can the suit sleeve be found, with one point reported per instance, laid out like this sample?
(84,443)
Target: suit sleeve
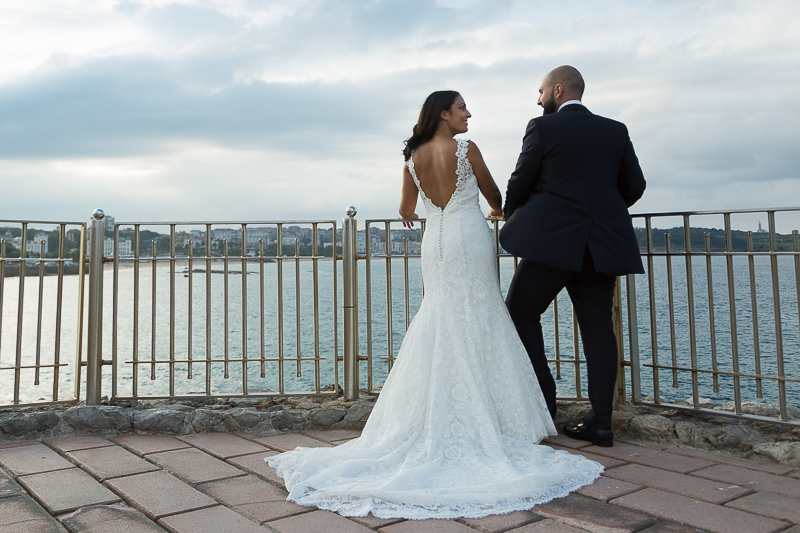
(524,178)
(630,183)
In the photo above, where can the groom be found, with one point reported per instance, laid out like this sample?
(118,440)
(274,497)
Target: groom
(567,219)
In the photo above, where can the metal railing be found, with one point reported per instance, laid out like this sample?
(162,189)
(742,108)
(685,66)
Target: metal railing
(37,350)
(740,364)
(235,336)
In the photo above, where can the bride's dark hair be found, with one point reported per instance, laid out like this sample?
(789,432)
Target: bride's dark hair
(428,121)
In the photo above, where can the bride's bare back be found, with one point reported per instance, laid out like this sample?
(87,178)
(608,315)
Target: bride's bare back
(435,164)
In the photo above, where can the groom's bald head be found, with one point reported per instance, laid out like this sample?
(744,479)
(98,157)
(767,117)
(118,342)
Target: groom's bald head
(569,78)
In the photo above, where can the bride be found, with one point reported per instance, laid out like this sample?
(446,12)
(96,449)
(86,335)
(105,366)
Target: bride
(456,428)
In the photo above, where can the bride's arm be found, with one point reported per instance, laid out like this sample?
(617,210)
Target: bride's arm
(486,183)
(408,199)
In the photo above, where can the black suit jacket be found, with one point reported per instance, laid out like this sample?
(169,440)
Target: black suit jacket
(576,176)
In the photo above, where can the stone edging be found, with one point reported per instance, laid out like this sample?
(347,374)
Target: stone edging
(273,416)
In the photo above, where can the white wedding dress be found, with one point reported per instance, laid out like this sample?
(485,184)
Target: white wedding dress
(454,432)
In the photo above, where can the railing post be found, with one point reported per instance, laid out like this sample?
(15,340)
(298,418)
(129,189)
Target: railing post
(349,288)
(94,349)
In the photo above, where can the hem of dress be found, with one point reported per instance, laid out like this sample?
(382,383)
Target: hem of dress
(386,509)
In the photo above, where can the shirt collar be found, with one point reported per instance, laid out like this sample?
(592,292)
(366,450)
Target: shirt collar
(569,102)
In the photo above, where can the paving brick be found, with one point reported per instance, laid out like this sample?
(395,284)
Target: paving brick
(243,490)
(32,459)
(373,521)
(194,466)
(501,522)
(8,487)
(290,441)
(34,526)
(333,435)
(698,513)
(21,509)
(737,461)
(158,494)
(213,520)
(77,442)
(269,511)
(144,444)
(17,443)
(702,489)
(109,462)
(563,440)
(66,490)
(606,488)
(248,435)
(796,475)
(593,515)
(632,453)
(427,526)
(117,518)
(547,526)
(769,504)
(319,522)
(255,464)
(222,445)
(672,527)
(753,479)
(607,462)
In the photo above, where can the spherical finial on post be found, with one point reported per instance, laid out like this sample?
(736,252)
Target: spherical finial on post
(351,212)
(98,214)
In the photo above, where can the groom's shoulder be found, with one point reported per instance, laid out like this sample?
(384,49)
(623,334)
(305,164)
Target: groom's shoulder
(610,123)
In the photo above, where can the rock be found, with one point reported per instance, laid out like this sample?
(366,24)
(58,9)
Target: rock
(249,418)
(359,412)
(620,420)
(94,417)
(731,437)
(159,420)
(562,418)
(301,403)
(690,435)
(287,419)
(20,424)
(784,452)
(325,417)
(651,426)
(205,419)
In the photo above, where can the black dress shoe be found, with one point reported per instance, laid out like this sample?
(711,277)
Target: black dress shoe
(599,437)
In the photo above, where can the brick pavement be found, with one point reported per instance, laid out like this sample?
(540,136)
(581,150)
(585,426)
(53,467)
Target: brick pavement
(219,482)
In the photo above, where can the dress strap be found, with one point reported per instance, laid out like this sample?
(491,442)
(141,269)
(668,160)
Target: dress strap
(462,165)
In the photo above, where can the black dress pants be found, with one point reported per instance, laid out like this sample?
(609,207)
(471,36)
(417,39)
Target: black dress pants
(534,286)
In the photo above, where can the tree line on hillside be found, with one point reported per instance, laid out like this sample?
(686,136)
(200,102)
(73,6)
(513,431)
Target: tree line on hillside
(717,237)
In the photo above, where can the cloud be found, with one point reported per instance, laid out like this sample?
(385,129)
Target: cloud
(241,108)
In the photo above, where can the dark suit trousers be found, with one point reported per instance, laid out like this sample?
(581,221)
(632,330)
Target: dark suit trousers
(533,288)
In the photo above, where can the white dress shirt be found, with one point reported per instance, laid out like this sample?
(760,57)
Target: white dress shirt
(569,102)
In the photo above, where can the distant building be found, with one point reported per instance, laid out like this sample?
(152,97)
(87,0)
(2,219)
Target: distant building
(181,239)
(124,247)
(109,220)
(760,229)
(34,246)
(74,235)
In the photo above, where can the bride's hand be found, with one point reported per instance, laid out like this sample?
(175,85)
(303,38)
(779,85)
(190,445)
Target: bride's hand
(496,213)
(409,222)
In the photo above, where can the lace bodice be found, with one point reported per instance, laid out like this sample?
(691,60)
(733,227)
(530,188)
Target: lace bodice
(455,429)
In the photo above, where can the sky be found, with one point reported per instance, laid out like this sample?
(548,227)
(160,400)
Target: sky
(293,110)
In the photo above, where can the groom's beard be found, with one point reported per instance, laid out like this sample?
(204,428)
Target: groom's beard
(549,107)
